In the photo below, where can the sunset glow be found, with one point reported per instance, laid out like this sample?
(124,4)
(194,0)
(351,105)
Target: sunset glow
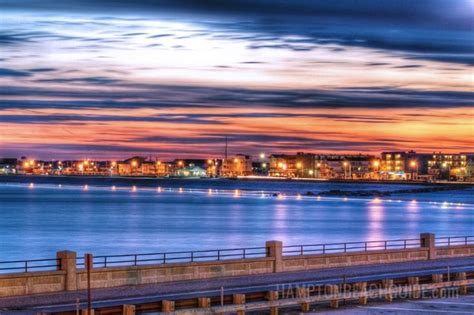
(88,85)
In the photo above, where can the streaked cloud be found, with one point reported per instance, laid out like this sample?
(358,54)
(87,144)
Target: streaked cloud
(178,76)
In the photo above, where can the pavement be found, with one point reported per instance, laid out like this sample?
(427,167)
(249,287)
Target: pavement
(461,305)
(208,287)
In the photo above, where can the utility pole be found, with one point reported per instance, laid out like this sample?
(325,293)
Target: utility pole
(225,152)
(89,262)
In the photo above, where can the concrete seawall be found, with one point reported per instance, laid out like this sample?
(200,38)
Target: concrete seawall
(71,278)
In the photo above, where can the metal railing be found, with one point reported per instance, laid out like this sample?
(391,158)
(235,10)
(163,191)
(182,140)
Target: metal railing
(16,266)
(333,248)
(227,254)
(454,241)
(175,257)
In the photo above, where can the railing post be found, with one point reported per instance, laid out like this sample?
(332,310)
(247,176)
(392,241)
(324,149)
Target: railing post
(275,251)
(68,263)
(427,240)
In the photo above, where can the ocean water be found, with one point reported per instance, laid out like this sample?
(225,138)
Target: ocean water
(38,219)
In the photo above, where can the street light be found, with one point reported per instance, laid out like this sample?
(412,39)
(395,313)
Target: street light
(262,155)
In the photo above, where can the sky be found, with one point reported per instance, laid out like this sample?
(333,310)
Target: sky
(115,78)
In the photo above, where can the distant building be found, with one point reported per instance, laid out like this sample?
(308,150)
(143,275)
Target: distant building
(8,166)
(239,165)
(191,171)
(457,167)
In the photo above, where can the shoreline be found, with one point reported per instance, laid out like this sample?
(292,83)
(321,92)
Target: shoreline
(243,179)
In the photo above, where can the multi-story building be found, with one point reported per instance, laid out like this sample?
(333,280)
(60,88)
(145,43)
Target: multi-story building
(239,165)
(450,166)
(403,165)
(349,166)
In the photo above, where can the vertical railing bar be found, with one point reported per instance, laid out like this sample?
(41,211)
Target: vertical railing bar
(324,248)
(385,245)
(135,258)
(218,254)
(301,250)
(164,258)
(26,265)
(244,253)
(192,256)
(105,261)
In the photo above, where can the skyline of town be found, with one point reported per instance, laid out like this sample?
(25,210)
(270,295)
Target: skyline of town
(393,165)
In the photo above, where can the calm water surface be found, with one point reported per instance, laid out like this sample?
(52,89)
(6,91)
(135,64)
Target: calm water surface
(37,221)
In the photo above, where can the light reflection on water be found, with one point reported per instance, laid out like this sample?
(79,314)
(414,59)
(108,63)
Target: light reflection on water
(37,220)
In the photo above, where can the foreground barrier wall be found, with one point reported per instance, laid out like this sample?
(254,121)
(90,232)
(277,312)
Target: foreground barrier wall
(68,278)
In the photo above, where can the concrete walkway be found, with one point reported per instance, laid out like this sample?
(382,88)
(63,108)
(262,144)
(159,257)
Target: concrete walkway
(462,305)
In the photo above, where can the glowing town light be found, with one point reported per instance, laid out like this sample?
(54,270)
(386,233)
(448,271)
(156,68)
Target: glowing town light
(158,189)
(345,199)
(180,163)
(262,155)
(236,160)
(134,188)
(209,161)
(26,164)
(413,201)
(318,165)
(180,190)
(134,163)
(158,163)
(345,164)
(113,187)
(280,164)
(264,165)
(114,163)
(298,165)
(86,162)
(298,197)
(284,166)
(60,186)
(413,163)
(86,187)
(310,172)
(31,185)
(236,193)
(376,200)
(318,197)
(209,191)
(280,196)
(376,163)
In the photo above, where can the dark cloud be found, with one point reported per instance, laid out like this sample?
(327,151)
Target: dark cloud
(83,80)
(42,70)
(162,96)
(426,29)
(5,72)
